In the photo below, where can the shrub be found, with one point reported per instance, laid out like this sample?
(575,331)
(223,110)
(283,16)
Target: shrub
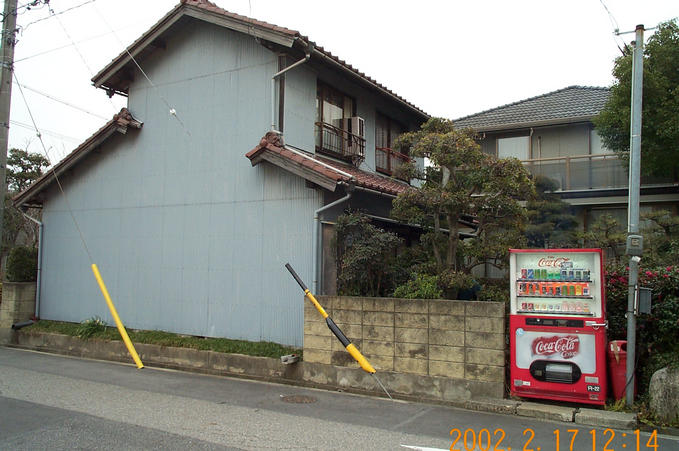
(420,286)
(22,264)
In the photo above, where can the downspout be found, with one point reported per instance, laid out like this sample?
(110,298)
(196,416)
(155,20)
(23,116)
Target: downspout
(317,236)
(37,288)
(306,58)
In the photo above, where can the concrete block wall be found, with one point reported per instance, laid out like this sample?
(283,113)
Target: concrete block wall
(461,340)
(18,304)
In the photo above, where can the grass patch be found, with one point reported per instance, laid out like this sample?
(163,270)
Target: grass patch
(158,337)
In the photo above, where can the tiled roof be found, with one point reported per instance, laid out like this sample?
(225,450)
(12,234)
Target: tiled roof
(102,79)
(329,172)
(573,102)
(120,123)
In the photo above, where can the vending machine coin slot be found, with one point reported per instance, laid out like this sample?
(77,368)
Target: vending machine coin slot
(559,372)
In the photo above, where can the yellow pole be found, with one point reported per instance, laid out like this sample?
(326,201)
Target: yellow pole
(116,318)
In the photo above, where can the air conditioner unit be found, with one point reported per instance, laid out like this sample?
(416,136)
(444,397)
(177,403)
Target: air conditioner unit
(353,143)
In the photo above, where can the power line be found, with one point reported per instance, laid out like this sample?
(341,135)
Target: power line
(59,13)
(54,173)
(48,132)
(64,102)
(62,47)
(616,27)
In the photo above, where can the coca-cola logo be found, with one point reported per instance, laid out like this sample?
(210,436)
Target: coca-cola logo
(552,262)
(568,346)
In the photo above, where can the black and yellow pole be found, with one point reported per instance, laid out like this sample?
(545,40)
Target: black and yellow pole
(348,345)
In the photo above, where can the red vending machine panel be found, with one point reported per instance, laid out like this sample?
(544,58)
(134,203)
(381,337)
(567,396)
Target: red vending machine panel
(557,325)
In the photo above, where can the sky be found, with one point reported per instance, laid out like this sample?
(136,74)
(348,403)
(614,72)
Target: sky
(450,58)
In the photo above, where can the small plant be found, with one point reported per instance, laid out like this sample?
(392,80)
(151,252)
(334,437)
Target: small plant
(90,327)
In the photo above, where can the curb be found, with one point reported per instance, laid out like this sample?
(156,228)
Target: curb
(272,370)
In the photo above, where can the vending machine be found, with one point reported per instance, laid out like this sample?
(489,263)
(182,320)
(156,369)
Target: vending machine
(558,324)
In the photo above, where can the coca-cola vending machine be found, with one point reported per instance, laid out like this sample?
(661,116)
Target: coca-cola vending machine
(557,325)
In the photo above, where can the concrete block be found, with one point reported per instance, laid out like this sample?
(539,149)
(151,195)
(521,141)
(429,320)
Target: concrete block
(352,331)
(378,333)
(342,358)
(415,366)
(446,322)
(444,307)
(411,335)
(411,350)
(317,342)
(603,418)
(317,356)
(328,302)
(347,303)
(382,348)
(446,353)
(378,304)
(445,337)
(336,345)
(411,306)
(664,394)
(314,328)
(381,362)
(446,369)
(481,324)
(311,314)
(347,316)
(485,309)
(488,340)
(485,356)
(504,406)
(545,411)
(378,319)
(420,320)
(484,373)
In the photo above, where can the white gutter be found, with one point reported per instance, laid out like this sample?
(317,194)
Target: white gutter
(37,287)
(273,86)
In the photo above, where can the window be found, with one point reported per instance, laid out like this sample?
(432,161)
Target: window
(338,132)
(517,147)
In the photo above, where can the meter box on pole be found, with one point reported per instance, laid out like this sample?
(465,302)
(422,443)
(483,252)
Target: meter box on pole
(557,324)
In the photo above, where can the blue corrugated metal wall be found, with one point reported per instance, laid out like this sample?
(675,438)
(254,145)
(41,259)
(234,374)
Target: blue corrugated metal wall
(188,236)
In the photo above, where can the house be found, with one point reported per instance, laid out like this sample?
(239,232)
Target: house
(554,136)
(191,234)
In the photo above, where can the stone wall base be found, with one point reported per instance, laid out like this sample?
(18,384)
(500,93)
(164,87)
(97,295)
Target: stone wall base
(400,385)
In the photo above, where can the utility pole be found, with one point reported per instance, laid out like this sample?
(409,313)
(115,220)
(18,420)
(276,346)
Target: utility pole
(634,239)
(9,21)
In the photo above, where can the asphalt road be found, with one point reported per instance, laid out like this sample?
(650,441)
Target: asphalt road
(56,402)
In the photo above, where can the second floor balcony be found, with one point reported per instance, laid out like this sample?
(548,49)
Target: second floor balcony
(387,161)
(583,172)
(339,143)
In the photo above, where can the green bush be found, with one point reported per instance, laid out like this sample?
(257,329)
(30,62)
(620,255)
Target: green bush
(22,264)
(90,327)
(420,286)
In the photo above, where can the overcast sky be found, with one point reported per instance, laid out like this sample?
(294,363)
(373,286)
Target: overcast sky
(450,58)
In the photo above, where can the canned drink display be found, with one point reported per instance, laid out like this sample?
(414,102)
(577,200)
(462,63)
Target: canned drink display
(570,274)
(529,274)
(564,274)
(543,274)
(578,289)
(524,273)
(578,274)
(585,290)
(585,274)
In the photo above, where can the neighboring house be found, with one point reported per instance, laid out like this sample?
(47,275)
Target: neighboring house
(554,136)
(188,235)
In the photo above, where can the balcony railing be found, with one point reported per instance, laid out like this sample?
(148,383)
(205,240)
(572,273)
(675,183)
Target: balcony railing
(388,161)
(339,143)
(580,172)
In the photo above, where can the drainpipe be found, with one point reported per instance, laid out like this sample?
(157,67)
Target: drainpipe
(37,288)
(317,236)
(306,58)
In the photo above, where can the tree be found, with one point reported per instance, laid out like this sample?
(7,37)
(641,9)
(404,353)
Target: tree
(660,115)
(366,256)
(551,223)
(462,188)
(23,168)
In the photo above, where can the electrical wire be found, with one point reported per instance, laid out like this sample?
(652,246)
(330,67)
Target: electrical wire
(59,13)
(54,173)
(64,102)
(616,28)
(91,38)
(48,132)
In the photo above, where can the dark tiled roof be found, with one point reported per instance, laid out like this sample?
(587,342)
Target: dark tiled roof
(102,78)
(573,102)
(331,171)
(120,123)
